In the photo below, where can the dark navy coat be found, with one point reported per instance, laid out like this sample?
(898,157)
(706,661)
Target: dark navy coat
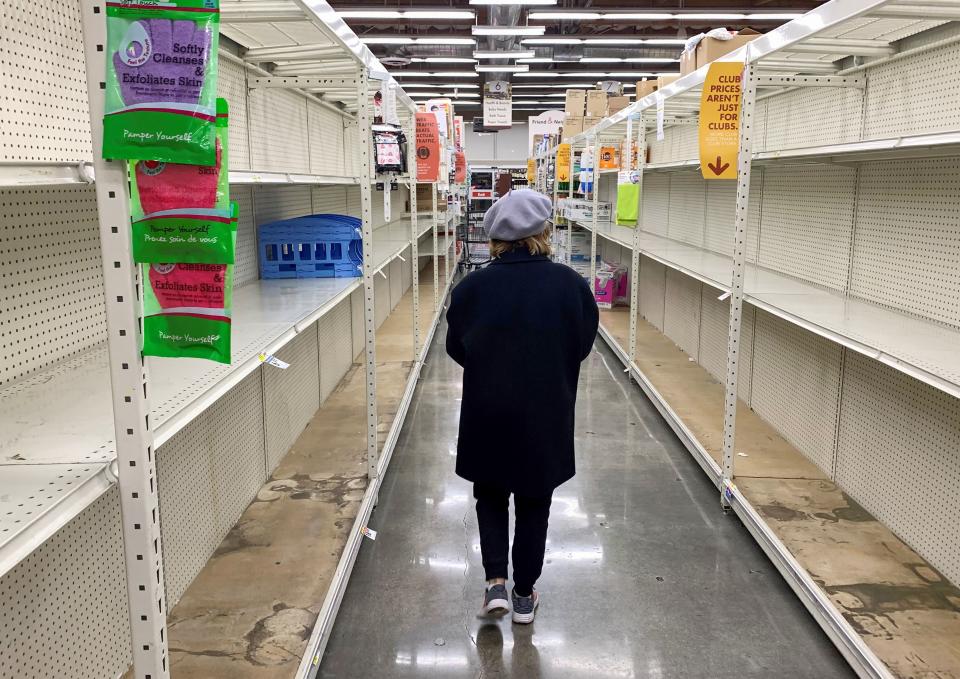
(520,328)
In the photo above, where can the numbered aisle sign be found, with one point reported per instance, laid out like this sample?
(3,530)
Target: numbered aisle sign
(720,120)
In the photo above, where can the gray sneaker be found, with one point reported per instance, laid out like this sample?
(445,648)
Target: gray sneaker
(495,602)
(525,607)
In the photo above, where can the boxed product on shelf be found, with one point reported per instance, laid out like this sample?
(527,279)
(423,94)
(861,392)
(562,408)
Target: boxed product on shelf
(591,121)
(645,88)
(609,158)
(613,88)
(615,104)
(582,210)
(596,103)
(688,62)
(572,126)
(611,284)
(575,103)
(710,49)
(665,80)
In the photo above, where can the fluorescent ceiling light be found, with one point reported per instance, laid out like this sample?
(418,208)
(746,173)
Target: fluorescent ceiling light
(615,41)
(508,30)
(502,68)
(545,86)
(445,41)
(774,16)
(563,16)
(449,60)
(424,94)
(600,60)
(720,16)
(503,54)
(446,95)
(665,41)
(554,74)
(537,60)
(638,16)
(386,40)
(651,60)
(513,2)
(450,86)
(440,14)
(552,41)
(441,74)
(369,14)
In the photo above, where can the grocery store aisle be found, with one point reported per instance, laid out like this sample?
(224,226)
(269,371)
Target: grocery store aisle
(645,577)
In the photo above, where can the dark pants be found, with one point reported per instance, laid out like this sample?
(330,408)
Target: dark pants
(529,537)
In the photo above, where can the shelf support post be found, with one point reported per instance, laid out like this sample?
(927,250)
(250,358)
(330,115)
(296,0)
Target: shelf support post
(436,250)
(570,196)
(136,465)
(593,228)
(414,233)
(635,252)
(748,99)
(369,306)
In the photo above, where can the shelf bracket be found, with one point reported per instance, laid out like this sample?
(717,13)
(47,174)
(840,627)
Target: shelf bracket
(854,82)
(300,82)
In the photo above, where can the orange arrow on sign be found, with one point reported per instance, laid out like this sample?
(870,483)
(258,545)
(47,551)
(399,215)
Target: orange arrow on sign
(720,167)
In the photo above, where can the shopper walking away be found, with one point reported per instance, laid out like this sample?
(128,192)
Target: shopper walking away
(520,328)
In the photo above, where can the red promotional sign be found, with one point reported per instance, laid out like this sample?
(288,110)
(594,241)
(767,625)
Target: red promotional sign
(460,168)
(428,148)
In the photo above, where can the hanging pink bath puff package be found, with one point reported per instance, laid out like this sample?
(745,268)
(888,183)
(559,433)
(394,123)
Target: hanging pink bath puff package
(162,81)
(187,308)
(180,212)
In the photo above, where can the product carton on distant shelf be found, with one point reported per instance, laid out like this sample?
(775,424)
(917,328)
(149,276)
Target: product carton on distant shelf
(711,49)
(609,158)
(576,103)
(572,126)
(645,88)
(590,121)
(665,80)
(596,103)
(615,104)
(688,62)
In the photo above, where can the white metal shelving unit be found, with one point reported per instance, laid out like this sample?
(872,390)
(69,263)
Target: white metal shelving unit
(848,239)
(58,451)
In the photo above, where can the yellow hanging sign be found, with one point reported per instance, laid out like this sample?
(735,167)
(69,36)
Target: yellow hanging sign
(563,163)
(531,170)
(720,120)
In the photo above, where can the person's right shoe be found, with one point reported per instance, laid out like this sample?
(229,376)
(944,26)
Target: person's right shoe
(525,607)
(495,602)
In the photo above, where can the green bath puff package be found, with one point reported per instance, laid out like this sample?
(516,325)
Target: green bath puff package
(180,212)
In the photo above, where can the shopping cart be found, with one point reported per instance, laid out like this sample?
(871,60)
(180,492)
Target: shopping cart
(474,242)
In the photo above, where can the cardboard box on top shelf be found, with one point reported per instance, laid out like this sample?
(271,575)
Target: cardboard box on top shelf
(576,103)
(590,121)
(572,126)
(688,62)
(666,80)
(596,103)
(645,88)
(711,49)
(613,88)
(615,104)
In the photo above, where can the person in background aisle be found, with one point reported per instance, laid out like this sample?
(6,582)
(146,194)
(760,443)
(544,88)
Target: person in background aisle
(520,328)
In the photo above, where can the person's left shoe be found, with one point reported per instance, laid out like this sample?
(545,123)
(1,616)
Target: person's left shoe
(495,602)
(525,607)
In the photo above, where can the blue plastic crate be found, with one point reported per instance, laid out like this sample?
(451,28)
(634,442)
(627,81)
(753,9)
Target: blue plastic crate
(313,246)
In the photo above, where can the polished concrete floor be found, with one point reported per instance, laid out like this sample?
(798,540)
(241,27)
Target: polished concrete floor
(644,575)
